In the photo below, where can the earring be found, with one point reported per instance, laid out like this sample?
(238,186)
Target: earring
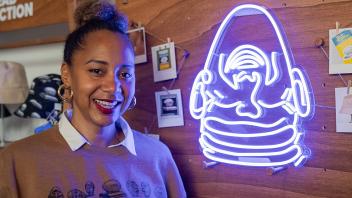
(62,87)
(133,103)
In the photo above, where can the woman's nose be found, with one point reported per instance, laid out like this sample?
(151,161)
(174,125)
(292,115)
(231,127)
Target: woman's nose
(111,84)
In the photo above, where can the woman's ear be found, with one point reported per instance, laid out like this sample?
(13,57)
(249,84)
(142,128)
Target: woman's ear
(66,74)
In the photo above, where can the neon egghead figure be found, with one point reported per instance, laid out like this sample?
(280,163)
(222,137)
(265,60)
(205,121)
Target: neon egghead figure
(250,98)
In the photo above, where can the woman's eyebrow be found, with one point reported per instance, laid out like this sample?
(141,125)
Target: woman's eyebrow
(97,61)
(127,66)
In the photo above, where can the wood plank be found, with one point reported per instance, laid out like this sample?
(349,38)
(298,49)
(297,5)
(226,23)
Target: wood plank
(45,12)
(226,190)
(308,181)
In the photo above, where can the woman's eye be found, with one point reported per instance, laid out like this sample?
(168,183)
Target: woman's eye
(96,71)
(126,75)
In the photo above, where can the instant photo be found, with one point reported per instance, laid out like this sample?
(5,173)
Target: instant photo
(164,62)
(137,37)
(340,51)
(169,108)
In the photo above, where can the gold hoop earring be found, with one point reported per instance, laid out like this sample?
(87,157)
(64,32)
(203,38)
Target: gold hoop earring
(133,103)
(59,93)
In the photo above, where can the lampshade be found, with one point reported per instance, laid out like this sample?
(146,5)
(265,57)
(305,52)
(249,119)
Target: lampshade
(13,83)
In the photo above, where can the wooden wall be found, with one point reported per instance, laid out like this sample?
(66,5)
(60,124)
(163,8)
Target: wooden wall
(46,13)
(192,24)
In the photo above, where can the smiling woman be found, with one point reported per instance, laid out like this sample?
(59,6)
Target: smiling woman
(93,150)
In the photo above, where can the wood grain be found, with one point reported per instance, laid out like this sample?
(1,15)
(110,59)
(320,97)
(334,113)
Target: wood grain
(45,12)
(192,24)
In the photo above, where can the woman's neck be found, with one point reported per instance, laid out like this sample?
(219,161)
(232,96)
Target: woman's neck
(98,135)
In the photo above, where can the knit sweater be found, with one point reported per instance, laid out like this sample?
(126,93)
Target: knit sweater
(43,165)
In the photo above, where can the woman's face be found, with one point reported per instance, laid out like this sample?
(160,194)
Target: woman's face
(101,77)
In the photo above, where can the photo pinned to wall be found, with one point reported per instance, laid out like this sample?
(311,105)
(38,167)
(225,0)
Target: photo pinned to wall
(137,37)
(169,108)
(164,62)
(340,51)
(343,101)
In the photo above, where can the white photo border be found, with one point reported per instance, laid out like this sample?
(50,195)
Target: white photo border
(139,58)
(336,65)
(170,71)
(173,116)
(343,121)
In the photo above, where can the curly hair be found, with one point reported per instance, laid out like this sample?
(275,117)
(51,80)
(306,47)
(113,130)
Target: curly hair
(90,16)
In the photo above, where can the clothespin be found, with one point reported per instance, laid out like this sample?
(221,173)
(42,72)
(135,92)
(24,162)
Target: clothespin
(337,27)
(275,170)
(209,164)
(139,24)
(168,40)
(125,1)
(166,89)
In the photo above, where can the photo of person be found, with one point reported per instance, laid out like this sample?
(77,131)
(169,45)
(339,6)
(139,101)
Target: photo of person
(164,59)
(169,105)
(92,151)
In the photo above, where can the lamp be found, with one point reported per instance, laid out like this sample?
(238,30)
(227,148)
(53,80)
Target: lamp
(13,88)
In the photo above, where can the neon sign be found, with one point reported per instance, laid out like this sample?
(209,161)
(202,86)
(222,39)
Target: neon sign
(250,100)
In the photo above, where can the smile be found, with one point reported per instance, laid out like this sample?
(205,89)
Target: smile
(106,106)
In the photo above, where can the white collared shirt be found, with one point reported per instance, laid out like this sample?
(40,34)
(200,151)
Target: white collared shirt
(75,140)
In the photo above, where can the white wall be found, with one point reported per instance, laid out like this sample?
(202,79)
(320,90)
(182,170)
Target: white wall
(37,60)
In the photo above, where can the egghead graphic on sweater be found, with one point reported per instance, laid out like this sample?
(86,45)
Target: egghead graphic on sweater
(111,189)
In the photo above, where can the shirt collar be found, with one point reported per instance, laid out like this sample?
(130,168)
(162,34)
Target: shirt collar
(75,140)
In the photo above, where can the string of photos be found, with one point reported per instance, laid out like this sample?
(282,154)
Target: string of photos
(340,62)
(168,100)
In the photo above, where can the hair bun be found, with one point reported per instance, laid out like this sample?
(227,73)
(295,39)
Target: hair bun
(95,9)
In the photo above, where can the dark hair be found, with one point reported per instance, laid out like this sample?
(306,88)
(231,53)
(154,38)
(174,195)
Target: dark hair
(90,16)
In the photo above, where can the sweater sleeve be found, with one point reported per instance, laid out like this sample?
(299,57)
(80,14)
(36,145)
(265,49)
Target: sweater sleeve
(8,184)
(174,184)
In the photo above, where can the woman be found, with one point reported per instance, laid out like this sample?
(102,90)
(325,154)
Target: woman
(93,152)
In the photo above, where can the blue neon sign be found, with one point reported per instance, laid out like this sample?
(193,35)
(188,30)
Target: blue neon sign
(251,99)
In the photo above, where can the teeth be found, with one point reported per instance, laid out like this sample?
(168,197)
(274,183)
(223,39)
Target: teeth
(105,104)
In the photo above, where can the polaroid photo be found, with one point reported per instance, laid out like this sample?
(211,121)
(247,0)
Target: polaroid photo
(343,102)
(164,62)
(169,108)
(137,37)
(340,51)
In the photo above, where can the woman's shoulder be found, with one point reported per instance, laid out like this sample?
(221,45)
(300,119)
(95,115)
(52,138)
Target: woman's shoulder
(149,143)
(33,141)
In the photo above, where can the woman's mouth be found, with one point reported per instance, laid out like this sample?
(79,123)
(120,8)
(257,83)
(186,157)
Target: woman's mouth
(106,106)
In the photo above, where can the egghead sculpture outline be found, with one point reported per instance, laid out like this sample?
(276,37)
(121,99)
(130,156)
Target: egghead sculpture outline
(241,136)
